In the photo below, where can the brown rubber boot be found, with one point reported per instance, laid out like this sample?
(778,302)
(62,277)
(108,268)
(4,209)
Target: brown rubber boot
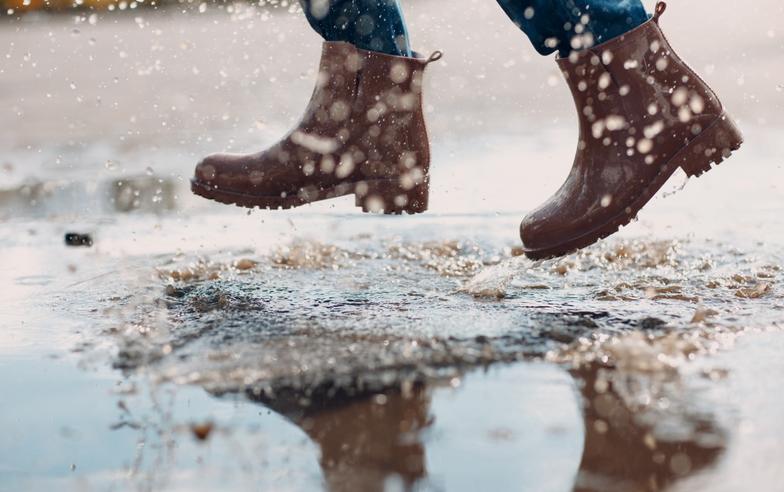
(643,113)
(363,132)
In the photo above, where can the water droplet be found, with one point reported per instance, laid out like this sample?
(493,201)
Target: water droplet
(644,146)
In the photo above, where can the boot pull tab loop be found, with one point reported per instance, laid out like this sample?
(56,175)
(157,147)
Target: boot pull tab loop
(660,8)
(437,55)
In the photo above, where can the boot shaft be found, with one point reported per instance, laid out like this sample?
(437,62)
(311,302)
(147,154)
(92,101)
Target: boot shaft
(390,135)
(328,113)
(638,84)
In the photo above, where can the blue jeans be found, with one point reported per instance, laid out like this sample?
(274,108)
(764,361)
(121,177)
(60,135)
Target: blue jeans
(551,25)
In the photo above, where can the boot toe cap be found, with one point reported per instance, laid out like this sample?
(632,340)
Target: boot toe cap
(545,232)
(533,232)
(207,169)
(225,171)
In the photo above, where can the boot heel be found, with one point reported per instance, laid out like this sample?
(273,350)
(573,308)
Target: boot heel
(713,145)
(390,197)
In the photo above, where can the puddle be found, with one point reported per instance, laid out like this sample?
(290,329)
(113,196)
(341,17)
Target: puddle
(407,340)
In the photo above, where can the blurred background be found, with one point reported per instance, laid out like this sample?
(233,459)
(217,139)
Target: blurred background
(98,90)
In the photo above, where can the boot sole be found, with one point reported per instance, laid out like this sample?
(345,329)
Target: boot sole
(711,147)
(386,196)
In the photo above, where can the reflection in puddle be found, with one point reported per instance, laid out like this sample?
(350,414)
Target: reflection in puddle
(511,427)
(626,450)
(363,441)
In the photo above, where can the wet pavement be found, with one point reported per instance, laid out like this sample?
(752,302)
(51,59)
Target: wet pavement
(195,346)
